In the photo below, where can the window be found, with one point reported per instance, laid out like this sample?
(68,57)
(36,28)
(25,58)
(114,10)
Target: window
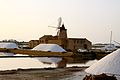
(74,46)
(85,46)
(77,41)
(74,41)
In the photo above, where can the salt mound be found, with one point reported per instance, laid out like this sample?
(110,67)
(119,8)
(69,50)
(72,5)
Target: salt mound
(109,64)
(8,45)
(49,47)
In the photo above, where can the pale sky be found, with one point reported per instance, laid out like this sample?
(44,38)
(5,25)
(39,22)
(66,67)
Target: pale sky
(29,19)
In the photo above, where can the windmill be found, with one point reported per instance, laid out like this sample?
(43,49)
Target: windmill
(58,26)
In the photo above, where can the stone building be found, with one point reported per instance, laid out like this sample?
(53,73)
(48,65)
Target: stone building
(70,44)
(33,43)
(78,43)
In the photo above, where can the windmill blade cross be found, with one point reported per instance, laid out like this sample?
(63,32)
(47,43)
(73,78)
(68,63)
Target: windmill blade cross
(59,21)
(59,24)
(53,26)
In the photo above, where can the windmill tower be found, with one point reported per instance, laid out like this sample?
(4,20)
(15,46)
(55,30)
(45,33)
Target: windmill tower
(61,31)
(61,34)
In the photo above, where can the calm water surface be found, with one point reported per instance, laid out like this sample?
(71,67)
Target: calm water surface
(25,63)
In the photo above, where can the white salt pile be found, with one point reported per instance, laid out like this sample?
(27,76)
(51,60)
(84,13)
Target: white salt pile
(110,64)
(49,47)
(8,45)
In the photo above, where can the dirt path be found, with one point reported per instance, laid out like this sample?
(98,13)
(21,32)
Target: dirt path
(40,74)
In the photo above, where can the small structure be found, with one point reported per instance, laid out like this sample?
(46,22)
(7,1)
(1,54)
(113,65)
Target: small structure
(104,47)
(110,47)
(23,45)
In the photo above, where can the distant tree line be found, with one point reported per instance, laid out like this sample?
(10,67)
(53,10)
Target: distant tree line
(10,40)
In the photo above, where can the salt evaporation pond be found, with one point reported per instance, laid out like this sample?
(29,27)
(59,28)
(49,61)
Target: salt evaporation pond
(27,62)
(23,63)
(15,63)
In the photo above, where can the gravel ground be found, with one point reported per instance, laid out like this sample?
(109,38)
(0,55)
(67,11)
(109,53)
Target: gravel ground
(73,73)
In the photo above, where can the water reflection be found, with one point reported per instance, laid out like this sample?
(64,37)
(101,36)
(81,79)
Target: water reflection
(77,61)
(6,54)
(24,63)
(86,64)
(39,62)
(49,59)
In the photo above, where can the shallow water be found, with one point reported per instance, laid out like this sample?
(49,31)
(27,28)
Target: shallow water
(25,63)
(87,64)
(28,62)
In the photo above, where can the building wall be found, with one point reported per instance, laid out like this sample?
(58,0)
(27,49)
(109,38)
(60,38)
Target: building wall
(33,43)
(89,44)
(43,41)
(76,43)
(70,44)
(60,42)
(62,34)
